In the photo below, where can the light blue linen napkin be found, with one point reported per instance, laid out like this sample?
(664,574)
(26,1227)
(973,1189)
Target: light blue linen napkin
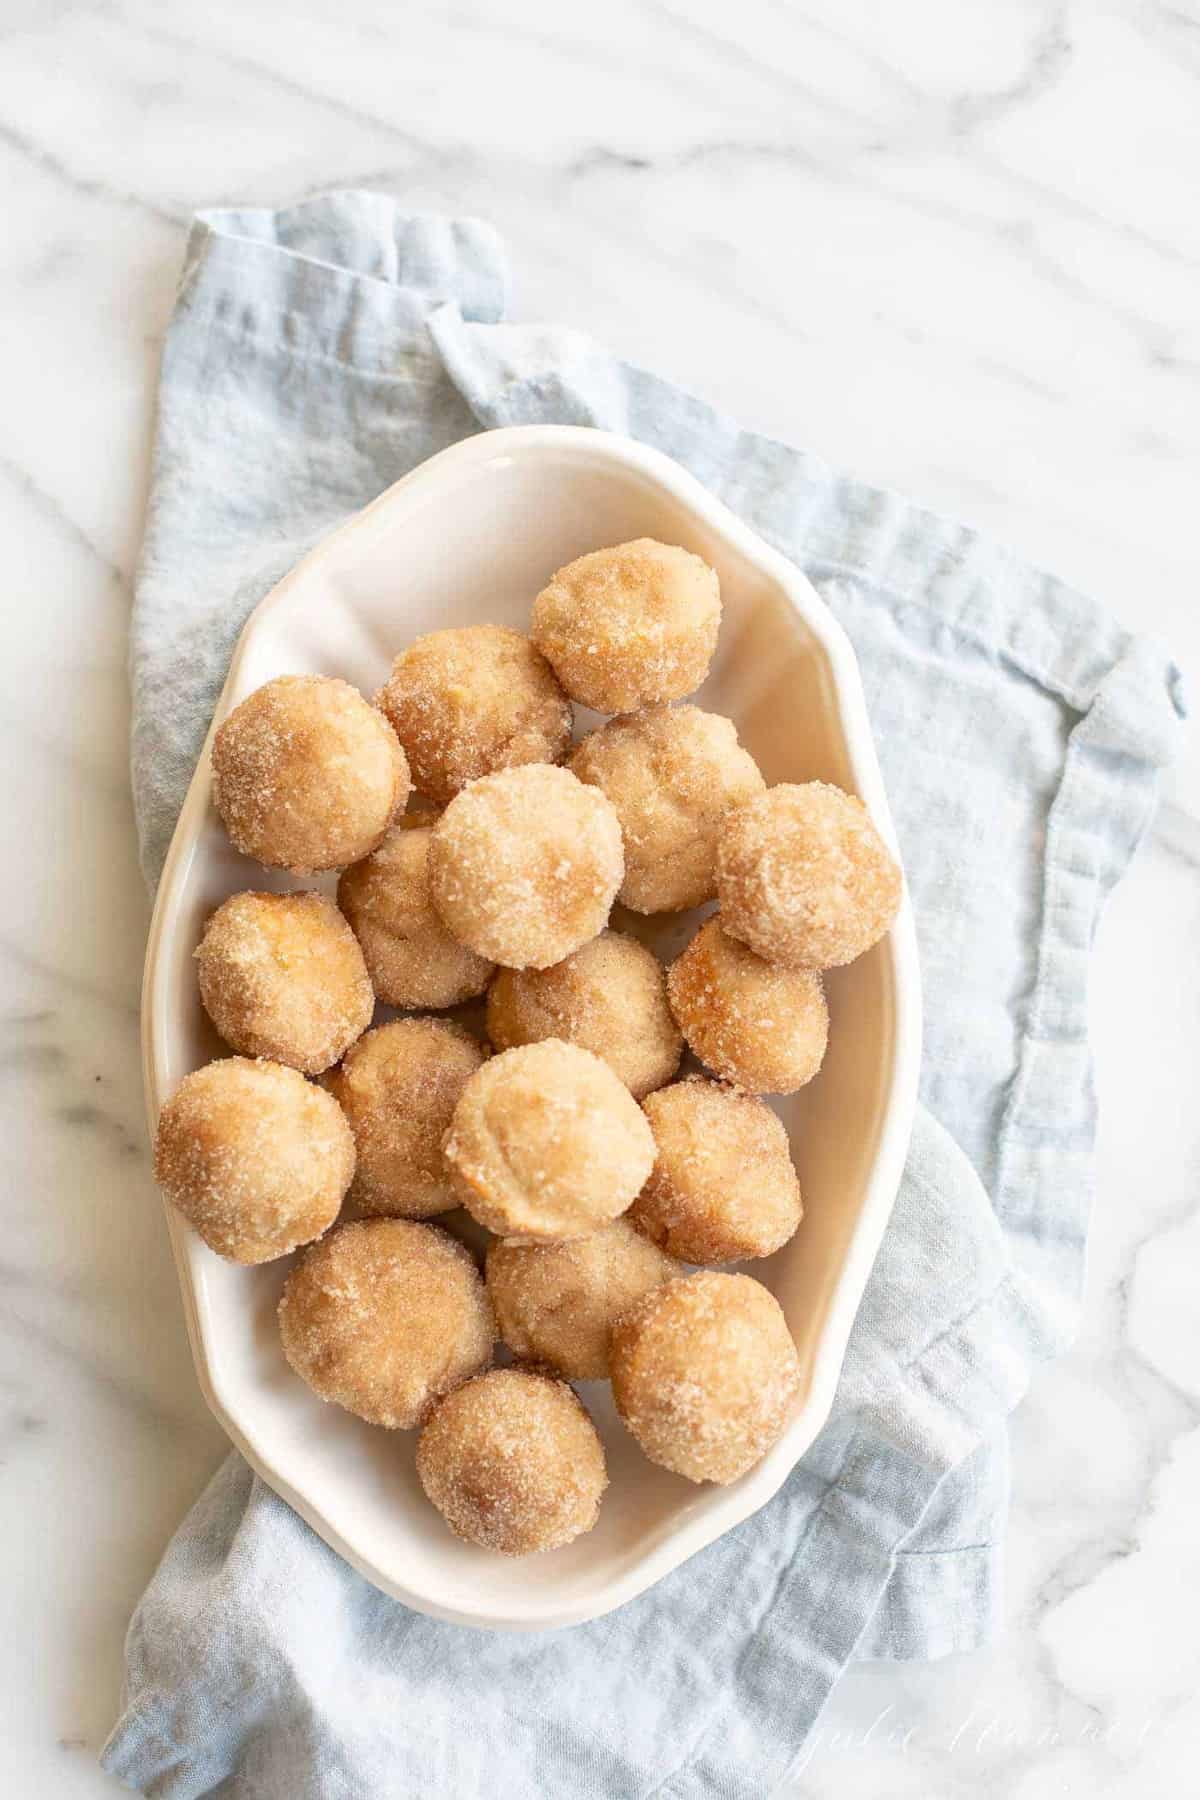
(316,354)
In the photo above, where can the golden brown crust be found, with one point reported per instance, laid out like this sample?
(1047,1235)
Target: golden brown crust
(470,700)
(398,1088)
(257,1158)
(282,976)
(672,773)
(609,997)
(307,775)
(629,626)
(760,1026)
(804,877)
(384,1316)
(705,1374)
(513,1463)
(723,1187)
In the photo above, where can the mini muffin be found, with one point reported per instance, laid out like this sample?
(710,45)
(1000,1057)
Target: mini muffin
(629,626)
(610,997)
(804,877)
(307,775)
(704,1374)
(257,1158)
(383,1317)
(471,700)
(760,1026)
(282,976)
(513,1463)
(672,774)
(557,1303)
(723,1187)
(524,866)
(398,1088)
(546,1143)
(413,960)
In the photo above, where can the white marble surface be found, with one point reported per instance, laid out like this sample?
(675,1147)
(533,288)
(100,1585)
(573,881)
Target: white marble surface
(970,234)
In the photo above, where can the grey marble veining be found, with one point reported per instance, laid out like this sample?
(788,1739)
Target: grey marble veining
(969,237)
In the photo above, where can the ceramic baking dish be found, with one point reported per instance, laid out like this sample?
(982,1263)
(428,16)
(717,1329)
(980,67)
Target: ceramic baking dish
(471,536)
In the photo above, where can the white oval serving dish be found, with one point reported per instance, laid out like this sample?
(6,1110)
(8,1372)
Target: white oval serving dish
(471,536)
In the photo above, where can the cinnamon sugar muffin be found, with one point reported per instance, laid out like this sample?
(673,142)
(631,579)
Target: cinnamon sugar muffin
(513,1463)
(398,1088)
(307,775)
(282,976)
(524,866)
(414,961)
(629,626)
(804,877)
(723,1187)
(384,1316)
(470,700)
(257,1158)
(762,1027)
(547,1143)
(672,774)
(609,996)
(704,1374)
(557,1303)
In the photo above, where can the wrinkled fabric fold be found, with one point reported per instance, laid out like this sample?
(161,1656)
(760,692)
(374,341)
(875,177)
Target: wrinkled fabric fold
(316,355)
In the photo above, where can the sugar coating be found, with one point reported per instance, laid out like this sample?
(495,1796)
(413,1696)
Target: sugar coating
(524,866)
(723,1187)
(609,996)
(672,774)
(629,626)
(513,1463)
(412,958)
(307,775)
(470,700)
(804,877)
(384,1316)
(398,1088)
(282,976)
(547,1143)
(757,1024)
(557,1303)
(704,1374)
(257,1158)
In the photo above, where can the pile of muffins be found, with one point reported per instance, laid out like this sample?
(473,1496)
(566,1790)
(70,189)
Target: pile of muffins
(480,856)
